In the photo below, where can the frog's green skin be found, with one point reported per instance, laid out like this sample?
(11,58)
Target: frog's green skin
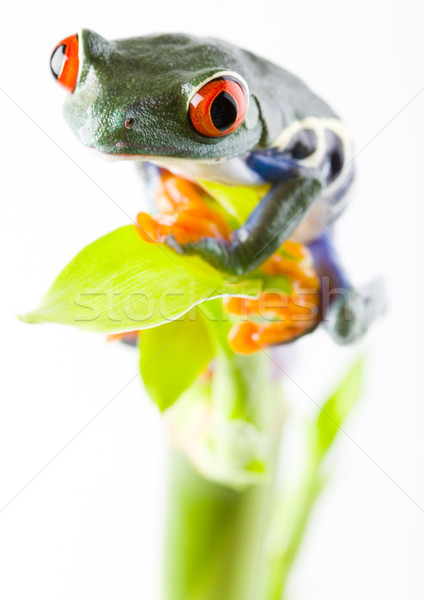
(290,138)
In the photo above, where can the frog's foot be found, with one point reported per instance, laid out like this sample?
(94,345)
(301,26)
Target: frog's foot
(248,337)
(184,218)
(181,229)
(277,317)
(130,338)
(273,318)
(350,314)
(175,194)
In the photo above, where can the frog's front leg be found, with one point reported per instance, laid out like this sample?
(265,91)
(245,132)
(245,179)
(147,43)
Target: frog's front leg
(298,170)
(268,226)
(347,312)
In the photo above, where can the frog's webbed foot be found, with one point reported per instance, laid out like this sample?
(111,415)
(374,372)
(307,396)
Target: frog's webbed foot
(345,318)
(350,314)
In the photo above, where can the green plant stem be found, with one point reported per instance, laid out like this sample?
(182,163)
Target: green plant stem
(216,534)
(214,545)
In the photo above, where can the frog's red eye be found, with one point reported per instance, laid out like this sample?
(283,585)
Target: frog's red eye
(64,62)
(218,108)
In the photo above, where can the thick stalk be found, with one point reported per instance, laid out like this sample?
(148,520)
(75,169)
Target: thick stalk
(216,533)
(214,545)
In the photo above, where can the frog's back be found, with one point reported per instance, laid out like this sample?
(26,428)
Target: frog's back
(283,97)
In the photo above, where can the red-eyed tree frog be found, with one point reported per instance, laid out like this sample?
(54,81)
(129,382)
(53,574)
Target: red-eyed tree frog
(209,111)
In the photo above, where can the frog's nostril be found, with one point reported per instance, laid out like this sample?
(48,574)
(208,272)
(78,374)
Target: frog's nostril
(129,123)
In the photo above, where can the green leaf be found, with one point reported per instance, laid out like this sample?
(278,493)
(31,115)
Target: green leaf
(238,200)
(338,406)
(122,283)
(175,354)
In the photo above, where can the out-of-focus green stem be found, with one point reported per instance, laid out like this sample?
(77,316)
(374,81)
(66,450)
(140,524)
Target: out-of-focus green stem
(214,546)
(215,533)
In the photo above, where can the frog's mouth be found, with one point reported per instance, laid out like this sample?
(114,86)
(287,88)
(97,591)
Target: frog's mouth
(116,156)
(226,171)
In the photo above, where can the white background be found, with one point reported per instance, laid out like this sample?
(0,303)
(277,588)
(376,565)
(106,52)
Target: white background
(90,525)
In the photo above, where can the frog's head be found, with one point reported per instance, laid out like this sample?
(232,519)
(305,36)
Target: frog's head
(159,96)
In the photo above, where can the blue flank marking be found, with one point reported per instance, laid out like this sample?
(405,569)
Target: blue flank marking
(273,166)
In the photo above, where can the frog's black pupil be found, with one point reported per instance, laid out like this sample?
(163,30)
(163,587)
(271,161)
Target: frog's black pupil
(223,111)
(56,61)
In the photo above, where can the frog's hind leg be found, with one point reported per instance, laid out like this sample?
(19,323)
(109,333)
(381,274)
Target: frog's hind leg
(347,312)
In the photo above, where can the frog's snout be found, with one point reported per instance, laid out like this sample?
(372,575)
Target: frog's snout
(64,62)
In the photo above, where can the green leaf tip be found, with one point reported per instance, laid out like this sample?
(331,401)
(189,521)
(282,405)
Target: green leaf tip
(27,318)
(339,405)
